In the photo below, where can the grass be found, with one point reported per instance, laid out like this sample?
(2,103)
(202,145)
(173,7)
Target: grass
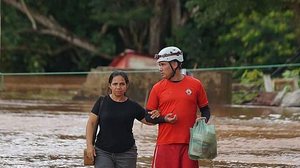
(242,97)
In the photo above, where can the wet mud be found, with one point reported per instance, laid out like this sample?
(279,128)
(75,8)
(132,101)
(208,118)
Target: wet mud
(51,134)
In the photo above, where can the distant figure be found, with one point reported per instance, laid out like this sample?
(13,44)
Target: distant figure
(115,146)
(177,97)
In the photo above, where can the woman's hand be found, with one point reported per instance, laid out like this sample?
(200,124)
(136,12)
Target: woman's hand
(90,129)
(154,114)
(91,153)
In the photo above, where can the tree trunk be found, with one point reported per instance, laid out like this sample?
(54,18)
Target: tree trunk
(175,12)
(156,27)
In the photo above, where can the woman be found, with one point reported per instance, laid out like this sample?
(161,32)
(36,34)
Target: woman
(115,146)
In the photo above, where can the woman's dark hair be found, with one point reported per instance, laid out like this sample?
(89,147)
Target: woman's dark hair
(118,73)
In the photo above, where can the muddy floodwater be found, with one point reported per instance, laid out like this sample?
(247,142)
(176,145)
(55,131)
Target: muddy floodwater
(51,134)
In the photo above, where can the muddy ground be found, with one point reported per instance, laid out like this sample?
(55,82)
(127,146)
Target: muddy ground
(44,133)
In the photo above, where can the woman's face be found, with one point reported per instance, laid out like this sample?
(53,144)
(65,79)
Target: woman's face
(118,86)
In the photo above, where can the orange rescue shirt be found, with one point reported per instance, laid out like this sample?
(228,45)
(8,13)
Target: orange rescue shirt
(180,98)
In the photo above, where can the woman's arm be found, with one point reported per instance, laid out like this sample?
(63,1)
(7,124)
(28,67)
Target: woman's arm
(153,114)
(145,122)
(152,117)
(90,129)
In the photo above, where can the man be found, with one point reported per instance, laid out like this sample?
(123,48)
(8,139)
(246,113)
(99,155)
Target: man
(177,97)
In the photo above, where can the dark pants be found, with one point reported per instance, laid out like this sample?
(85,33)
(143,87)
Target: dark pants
(106,159)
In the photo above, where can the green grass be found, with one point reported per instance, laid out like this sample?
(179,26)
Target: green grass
(242,97)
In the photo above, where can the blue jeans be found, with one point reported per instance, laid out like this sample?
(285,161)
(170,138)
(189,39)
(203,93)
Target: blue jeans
(106,159)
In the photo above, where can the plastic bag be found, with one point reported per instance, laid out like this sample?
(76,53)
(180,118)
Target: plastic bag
(203,141)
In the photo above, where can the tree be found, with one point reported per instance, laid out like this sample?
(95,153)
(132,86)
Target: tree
(168,16)
(128,20)
(75,35)
(51,27)
(204,37)
(38,38)
(260,39)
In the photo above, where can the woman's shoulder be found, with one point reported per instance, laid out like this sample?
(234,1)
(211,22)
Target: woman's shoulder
(133,103)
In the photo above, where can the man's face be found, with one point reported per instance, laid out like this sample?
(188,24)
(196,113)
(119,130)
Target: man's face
(165,69)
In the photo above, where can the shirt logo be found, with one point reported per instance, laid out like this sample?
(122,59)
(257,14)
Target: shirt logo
(188,92)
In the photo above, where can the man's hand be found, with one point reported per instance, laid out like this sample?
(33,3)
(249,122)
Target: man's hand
(201,118)
(171,118)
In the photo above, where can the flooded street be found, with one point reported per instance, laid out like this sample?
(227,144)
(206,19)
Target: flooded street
(51,134)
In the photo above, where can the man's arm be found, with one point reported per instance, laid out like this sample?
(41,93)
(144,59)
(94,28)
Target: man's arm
(205,112)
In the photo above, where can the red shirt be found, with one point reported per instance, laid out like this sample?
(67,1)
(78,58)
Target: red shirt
(181,98)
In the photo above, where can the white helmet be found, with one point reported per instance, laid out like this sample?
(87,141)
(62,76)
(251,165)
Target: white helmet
(169,54)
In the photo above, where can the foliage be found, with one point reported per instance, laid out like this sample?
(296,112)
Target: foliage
(120,13)
(26,50)
(260,39)
(295,73)
(252,77)
(252,82)
(127,20)
(243,97)
(243,32)
(291,73)
(196,46)
(211,33)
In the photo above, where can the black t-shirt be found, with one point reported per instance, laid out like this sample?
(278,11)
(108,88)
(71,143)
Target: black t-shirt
(116,122)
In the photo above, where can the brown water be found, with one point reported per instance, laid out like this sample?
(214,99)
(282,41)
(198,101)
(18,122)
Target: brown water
(51,134)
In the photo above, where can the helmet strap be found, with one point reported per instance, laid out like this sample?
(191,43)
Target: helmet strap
(173,70)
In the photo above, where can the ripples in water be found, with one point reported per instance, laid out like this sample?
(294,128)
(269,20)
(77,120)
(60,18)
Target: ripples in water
(51,134)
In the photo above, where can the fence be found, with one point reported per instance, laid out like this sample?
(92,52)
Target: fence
(1,82)
(217,81)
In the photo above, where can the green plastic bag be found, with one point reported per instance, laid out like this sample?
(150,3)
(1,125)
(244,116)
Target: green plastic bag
(203,141)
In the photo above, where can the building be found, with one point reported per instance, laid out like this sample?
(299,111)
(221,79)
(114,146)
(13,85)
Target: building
(129,59)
